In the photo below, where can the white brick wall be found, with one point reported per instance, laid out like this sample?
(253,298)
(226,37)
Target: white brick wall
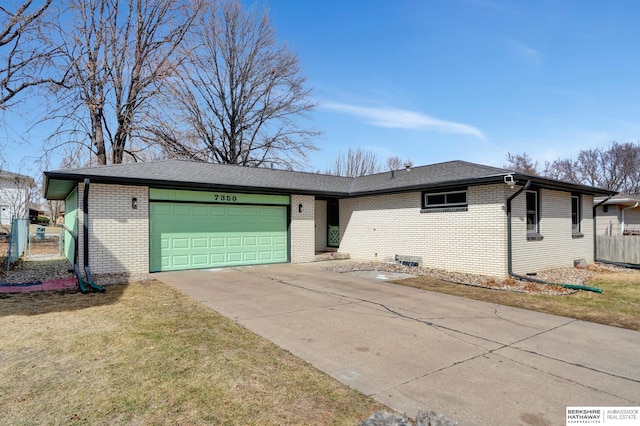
(475,241)
(303,230)
(557,249)
(321,225)
(118,234)
(379,227)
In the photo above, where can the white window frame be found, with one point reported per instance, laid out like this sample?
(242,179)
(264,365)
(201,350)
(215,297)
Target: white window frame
(446,204)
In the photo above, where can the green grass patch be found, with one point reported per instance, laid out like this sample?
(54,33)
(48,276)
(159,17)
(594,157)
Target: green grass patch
(146,354)
(618,305)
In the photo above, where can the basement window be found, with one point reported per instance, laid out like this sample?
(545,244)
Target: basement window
(435,200)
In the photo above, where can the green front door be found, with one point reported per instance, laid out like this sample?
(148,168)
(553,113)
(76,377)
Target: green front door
(192,235)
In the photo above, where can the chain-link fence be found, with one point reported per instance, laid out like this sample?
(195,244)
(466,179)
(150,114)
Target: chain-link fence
(45,241)
(15,243)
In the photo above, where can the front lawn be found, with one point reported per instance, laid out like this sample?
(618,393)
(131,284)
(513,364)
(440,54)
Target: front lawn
(144,353)
(618,305)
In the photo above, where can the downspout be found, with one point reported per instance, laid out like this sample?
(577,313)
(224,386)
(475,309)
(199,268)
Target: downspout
(595,239)
(510,251)
(85,231)
(509,238)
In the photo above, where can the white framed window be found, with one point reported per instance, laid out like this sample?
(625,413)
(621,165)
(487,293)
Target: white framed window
(533,216)
(444,199)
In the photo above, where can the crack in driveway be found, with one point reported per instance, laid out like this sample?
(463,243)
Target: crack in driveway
(455,333)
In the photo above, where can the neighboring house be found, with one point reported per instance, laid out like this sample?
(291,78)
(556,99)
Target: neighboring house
(15,195)
(174,215)
(35,211)
(618,215)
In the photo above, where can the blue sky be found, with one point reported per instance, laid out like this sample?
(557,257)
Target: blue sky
(439,80)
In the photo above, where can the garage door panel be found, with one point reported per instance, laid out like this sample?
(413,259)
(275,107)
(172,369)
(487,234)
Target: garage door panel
(249,241)
(185,235)
(179,243)
(234,242)
(178,261)
(200,260)
(200,242)
(250,256)
(216,242)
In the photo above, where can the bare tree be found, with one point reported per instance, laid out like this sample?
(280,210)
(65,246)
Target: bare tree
(240,98)
(354,163)
(522,163)
(396,163)
(55,207)
(118,55)
(23,55)
(616,168)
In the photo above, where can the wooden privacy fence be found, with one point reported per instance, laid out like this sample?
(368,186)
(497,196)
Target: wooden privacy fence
(625,248)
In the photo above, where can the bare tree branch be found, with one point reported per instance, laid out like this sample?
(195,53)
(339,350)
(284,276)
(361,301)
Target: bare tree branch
(356,162)
(24,58)
(118,55)
(239,98)
(522,163)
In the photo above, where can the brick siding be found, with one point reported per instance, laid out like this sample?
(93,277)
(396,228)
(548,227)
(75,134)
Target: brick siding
(472,241)
(380,227)
(303,231)
(558,248)
(118,234)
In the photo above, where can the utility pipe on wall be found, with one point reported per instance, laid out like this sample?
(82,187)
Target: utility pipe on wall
(85,229)
(510,251)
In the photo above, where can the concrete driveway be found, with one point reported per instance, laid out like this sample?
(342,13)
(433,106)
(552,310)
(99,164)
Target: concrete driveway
(475,362)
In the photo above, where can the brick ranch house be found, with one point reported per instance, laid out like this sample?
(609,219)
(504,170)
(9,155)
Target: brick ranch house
(459,216)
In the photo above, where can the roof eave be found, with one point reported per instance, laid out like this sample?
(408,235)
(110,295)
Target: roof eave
(71,177)
(563,185)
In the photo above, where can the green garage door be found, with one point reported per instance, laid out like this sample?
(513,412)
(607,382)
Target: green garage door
(191,236)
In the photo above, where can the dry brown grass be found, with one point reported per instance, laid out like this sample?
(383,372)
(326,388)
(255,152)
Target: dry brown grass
(618,305)
(145,354)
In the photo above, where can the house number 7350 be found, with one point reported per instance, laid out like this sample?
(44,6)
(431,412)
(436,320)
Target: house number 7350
(222,197)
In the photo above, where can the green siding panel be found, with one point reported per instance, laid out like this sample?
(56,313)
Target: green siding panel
(71,222)
(156,194)
(192,236)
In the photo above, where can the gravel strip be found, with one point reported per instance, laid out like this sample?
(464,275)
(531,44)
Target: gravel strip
(34,271)
(48,270)
(560,276)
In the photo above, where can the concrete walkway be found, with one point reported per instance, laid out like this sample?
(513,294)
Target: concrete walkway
(475,362)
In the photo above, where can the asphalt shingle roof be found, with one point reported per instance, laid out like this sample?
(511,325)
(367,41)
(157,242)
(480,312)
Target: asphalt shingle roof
(190,174)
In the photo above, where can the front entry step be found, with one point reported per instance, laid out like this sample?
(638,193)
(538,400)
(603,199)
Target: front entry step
(331,255)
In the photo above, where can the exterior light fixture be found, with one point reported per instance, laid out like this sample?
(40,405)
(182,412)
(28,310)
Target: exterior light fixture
(134,203)
(510,181)
(299,208)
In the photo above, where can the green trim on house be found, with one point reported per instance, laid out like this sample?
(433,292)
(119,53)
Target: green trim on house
(71,222)
(157,194)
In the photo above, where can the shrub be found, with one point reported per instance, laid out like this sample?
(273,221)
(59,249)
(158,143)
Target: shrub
(43,220)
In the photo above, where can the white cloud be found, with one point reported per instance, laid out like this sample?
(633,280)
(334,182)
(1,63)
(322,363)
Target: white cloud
(402,119)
